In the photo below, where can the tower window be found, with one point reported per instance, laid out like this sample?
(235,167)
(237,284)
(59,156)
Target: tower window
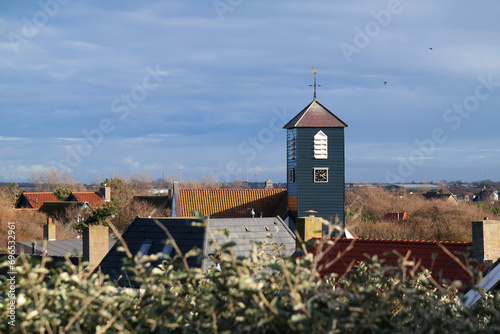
(291,145)
(320,145)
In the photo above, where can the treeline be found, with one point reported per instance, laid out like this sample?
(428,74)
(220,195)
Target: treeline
(436,219)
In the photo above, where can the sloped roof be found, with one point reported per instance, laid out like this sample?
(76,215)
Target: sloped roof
(242,231)
(35,200)
(55,247)
(55,208)
(396,216)
(92,198)
(438,195)
(232,203)
(245,232)
(56,263)
(315,115)
(443,267)
(159,202)
(144,230)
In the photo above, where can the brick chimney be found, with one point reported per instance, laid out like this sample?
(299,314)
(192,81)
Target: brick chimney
(105,193)
(49,230)
(486,240)
(308,227)
(95,244)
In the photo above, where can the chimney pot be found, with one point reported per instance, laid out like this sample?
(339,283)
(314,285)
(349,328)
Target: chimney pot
(310,213)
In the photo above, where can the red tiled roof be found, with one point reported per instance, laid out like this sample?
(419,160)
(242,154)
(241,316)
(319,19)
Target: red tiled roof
(441,264)
(315,115)
(232,203)
(35,200)
(396,216)
(92,198)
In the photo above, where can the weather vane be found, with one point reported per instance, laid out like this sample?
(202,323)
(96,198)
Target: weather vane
(314,72)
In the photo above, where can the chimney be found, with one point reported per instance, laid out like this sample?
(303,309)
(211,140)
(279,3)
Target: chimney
(269,184)
(105,193)
(308,227)
(95,244)
(49,230)
(486,240)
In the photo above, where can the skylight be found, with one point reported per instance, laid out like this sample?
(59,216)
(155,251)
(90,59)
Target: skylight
(167,250)
(146,245)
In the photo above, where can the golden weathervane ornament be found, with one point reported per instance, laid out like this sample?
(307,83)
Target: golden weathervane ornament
(314,71)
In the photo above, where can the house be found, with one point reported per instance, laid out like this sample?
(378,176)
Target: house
(34,200)
(148,236)
(229,203)
(341,255)
(160,202)
(486,249)
(86,247)
(442,195)
(57,209)
(486,195)
(95,199)
(396,216)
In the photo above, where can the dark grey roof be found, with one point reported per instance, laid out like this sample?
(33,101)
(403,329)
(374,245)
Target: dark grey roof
(57,262)
(243,231)
(147,230)
(55,247)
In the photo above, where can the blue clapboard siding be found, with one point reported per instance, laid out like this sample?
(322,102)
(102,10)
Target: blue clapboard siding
(328,199)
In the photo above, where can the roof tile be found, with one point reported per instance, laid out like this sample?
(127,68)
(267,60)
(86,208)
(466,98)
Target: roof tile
(443,266)
(35,200)
(92,198)
(232,203)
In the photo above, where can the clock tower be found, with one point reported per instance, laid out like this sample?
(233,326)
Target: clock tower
(316,163)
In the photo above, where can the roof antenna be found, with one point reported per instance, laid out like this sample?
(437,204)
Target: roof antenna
(314,71)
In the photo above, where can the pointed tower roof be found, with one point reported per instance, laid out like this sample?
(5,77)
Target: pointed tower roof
(315,115)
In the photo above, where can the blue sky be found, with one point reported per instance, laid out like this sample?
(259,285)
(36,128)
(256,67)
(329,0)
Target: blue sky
(202,88)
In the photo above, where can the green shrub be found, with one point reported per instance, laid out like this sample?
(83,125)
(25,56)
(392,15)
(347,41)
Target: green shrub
(264,293)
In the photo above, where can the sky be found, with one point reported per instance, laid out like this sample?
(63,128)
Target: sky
(192,89)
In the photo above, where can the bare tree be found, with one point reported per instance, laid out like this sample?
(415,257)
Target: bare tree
(50,179)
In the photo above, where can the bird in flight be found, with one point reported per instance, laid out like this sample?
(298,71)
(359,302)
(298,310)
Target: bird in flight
(385,83)
(430,49)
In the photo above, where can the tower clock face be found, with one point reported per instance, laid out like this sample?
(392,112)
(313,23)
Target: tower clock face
(321,175)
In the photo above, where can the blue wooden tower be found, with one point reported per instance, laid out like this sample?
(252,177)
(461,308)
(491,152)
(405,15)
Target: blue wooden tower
(316,163)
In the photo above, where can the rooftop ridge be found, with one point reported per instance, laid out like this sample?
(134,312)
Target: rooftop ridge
(400,241)
(232,189)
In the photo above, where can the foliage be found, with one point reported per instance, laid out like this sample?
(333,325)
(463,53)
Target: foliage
(11,192)
(51,178)
(62,193)
(435,219)
(493,210)
(264,293)
(126,215)
(121,191)
(101,216)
